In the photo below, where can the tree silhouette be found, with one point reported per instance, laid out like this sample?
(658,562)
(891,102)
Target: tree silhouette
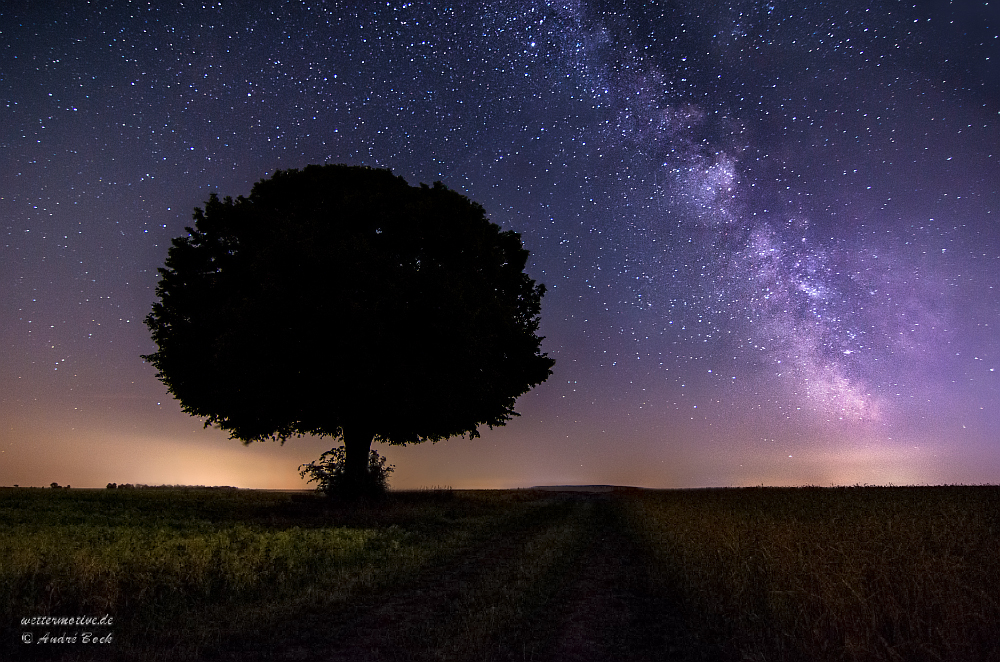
(341,301)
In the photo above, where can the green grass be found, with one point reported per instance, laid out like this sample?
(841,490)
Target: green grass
(739,574)
(198,573)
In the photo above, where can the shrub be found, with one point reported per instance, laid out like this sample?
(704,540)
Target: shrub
(328,472)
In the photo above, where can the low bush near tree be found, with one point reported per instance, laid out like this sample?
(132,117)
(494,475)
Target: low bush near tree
(329,471)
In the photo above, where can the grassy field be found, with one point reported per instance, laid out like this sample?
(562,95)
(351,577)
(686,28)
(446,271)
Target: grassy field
(736,574)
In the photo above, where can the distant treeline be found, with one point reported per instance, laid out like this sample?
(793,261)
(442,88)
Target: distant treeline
(130,486)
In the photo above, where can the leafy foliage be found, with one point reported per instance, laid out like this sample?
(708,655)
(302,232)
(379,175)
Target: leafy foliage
(329,472)
(341,301)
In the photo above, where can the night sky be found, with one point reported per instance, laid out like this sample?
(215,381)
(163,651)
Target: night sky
(770,231)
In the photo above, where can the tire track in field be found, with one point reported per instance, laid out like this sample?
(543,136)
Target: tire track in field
(418,623)
(595,605)
(607,609)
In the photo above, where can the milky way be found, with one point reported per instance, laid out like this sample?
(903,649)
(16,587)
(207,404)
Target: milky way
(769,230)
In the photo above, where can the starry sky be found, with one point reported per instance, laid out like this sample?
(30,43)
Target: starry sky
(770,231)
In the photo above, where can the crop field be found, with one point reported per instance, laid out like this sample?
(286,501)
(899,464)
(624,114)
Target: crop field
(724,574)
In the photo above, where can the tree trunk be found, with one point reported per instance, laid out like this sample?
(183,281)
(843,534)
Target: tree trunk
(357,447)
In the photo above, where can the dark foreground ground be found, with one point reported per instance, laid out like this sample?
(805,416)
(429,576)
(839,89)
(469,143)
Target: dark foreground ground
(591,603)
(552,575)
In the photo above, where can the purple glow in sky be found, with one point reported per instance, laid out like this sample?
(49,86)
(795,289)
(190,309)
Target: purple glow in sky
(770,230)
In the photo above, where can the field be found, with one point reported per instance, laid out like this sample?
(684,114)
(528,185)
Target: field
(729,574)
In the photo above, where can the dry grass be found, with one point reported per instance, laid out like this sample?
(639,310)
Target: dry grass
(831,574)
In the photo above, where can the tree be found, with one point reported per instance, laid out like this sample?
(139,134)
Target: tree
(341,301)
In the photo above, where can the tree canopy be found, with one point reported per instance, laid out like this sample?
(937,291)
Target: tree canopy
(341,301)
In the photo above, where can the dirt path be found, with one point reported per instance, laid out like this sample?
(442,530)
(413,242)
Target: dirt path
(607,608)
(399,625)
(586,598)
